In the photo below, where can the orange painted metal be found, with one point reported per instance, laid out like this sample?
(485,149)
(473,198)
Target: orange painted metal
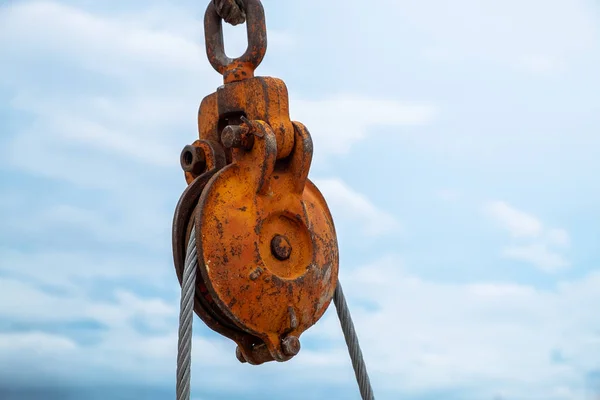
(260,98)
(266,241)
(245,212)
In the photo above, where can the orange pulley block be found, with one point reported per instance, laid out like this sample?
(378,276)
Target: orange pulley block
(265,239)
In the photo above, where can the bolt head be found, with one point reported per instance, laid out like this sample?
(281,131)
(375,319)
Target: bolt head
(237,136)
(231,137)
(281,247)
(290,346)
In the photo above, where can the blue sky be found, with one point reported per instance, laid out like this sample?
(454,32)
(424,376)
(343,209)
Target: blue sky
(455,142)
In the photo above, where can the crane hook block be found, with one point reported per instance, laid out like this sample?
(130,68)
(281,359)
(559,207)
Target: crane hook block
(266,243)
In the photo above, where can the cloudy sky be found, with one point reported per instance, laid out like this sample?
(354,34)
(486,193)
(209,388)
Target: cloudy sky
(456,143)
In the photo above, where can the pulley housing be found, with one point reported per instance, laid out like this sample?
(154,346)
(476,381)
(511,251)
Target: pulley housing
(265,239)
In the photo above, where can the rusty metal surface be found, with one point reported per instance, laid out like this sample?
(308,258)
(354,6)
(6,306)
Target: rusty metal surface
(260,98)
(260,352)
(244,207)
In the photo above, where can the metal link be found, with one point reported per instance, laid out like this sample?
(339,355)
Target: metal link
(242,67)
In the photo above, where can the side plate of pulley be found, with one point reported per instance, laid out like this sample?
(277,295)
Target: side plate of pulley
(266,242)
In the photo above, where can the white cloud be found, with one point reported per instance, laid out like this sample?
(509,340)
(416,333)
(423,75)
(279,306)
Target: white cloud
(518,223)
(339,122)
(122,353)
(347,204)
(502,336)
(77,270)
(537,254)
(34,305)
(490,44)
(501,32)
(108,45)
(535,244)
(416,335)
(542,36)
(558,237)
(43,342)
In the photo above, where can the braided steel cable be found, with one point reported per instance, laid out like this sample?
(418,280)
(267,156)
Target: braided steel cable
(186,317)
(358,362)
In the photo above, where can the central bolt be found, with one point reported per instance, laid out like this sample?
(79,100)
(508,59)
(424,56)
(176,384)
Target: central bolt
(281,247)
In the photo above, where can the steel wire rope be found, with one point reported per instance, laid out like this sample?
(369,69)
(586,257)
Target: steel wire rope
(186,316)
